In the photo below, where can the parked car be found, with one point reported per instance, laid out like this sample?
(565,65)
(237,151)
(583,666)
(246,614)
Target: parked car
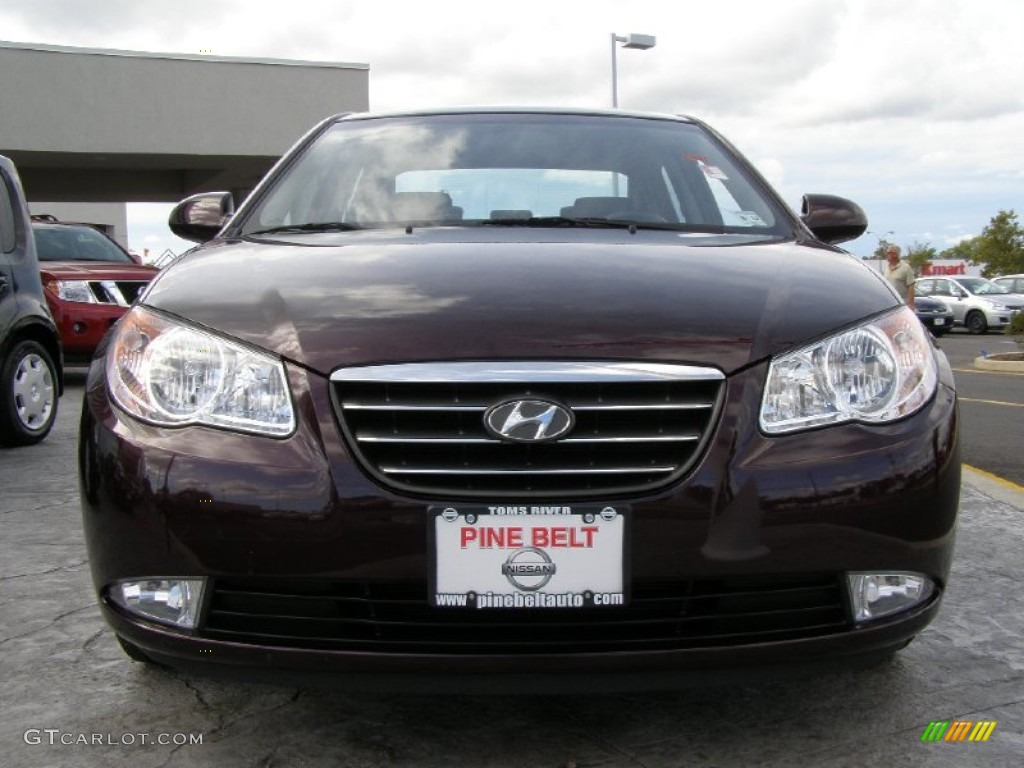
(498,399)
(30,357)
(935,314)
(978,304)
(1012,283)
(90,281)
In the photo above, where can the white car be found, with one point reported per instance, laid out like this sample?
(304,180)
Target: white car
(1012,283)
(978,304)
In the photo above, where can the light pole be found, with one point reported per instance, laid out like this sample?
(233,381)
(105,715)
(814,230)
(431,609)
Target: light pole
(882,240)
(639,42)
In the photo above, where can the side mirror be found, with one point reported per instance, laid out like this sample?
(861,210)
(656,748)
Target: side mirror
(199,218)
(833,219)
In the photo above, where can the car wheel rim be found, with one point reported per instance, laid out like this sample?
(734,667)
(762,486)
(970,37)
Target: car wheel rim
(33,392)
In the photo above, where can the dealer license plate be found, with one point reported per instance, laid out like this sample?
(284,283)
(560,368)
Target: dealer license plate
(528,556)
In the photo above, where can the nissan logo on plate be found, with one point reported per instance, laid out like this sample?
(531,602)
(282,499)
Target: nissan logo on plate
(529,569)
(528,421)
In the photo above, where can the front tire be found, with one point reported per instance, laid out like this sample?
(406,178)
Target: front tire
(976,323)
(28,394)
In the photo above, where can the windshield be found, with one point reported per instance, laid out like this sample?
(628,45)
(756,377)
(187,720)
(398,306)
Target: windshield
(982,287)
(516,170)
(65,243)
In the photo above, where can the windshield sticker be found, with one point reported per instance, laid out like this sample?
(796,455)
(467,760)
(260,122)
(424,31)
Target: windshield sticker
(711,171)
(714,172)
(749,219)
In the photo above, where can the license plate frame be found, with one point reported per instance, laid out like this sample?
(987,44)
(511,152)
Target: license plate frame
(528,556)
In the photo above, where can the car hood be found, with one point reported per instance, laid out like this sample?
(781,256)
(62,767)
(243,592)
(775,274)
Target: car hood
(509,295)
(1011,300)
(95,270)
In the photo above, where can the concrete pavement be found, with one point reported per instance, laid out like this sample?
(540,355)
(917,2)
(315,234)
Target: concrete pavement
(71,698)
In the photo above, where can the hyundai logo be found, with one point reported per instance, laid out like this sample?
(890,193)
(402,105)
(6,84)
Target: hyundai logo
(528,421)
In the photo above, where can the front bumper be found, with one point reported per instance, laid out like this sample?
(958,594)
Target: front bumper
(199,502)
(82,326)
(517,673)
(999,319)
(937,323)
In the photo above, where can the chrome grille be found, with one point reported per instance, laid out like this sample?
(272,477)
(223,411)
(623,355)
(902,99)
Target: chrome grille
(420,427)
(395,617)
(120,292)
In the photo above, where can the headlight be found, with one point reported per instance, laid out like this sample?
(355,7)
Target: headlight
(171,374)
(995,305)
(75,290)
(876,373)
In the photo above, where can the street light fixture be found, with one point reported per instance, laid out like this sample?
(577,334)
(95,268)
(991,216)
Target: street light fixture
(639,42)
(882,240)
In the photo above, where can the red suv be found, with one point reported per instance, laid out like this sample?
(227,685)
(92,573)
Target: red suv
(90,281)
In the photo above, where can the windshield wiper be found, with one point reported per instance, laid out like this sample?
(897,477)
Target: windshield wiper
(546,221)
(567,221)
(319,226)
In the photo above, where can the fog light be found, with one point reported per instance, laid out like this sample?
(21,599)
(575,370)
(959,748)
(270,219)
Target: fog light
(169,601)
(874,595)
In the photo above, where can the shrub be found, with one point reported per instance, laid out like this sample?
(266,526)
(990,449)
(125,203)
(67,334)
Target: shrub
(1015,328)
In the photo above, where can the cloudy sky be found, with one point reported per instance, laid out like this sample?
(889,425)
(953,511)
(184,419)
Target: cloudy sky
(913,108)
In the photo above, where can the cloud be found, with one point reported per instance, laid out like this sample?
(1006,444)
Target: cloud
(914,108)
(920,60)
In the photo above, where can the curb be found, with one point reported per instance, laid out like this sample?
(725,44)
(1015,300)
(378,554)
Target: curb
(1006,366)
(994,486)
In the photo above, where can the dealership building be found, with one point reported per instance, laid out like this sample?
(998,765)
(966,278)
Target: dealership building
(91,129)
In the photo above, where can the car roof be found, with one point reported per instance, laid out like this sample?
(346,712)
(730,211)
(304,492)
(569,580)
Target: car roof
(45,221)
(510,110)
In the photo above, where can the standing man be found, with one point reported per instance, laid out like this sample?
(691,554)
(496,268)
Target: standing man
(900,275)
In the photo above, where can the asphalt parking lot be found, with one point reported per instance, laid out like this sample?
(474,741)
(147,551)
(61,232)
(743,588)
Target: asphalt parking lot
(991,403)
(71,698)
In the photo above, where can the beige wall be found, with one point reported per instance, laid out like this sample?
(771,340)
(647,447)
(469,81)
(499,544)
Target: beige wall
(102,125)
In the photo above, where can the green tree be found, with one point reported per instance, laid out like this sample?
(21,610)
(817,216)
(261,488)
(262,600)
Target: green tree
(919,254)
(1000,246)
(965,250)
(879,252)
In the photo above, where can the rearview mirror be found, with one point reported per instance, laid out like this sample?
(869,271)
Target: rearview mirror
(200,217)
(833,219)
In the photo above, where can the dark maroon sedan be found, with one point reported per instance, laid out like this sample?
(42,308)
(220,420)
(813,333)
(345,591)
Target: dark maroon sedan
(502,399)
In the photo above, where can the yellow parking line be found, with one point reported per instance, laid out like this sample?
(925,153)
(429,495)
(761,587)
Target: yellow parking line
(996,479)
(989,402)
